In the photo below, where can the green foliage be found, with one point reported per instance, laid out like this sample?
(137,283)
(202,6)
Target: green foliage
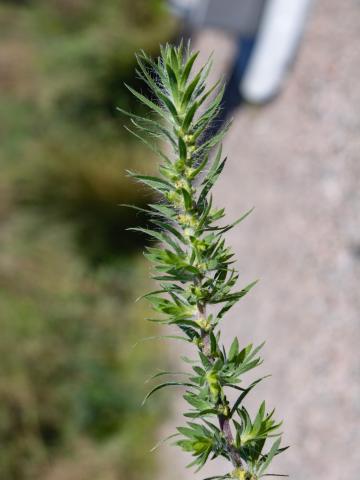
(62,66)
(68,373)
(195,268)
(68,269)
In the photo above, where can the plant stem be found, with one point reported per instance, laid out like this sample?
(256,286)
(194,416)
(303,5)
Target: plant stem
(224,421)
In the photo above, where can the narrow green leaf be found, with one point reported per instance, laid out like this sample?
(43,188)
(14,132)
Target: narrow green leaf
(147,102)
(150,126)
(182,149)
(227,475)
(232,225)
(172,81)
(170,106)
(187,199)
(163,385)
(161,442)
(161,337)
(154,182)
(189,116)
(200,168)
(161,374)
(152,147)
(188,67)
(270,456)
(244,393)
(234,349)
(191,88)
(273,475)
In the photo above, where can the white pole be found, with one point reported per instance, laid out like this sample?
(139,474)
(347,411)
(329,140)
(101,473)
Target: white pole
(280,31)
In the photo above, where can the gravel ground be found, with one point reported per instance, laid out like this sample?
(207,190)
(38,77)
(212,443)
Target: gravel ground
(296,161)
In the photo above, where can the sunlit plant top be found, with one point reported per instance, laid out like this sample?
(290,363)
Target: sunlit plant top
(195,268)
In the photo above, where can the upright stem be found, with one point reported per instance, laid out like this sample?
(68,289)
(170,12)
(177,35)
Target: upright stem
(224,420)
(195,267)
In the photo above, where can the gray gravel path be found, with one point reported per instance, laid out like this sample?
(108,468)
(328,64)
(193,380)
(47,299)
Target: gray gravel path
(297,161)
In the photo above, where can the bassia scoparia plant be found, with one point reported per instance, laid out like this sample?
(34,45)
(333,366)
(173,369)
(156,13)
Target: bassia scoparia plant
(195,268)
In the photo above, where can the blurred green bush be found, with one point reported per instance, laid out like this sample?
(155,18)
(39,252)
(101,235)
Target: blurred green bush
(69,273)
(63,64)
(69,376)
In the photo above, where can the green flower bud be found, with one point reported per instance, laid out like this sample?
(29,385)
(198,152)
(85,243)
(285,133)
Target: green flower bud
(188,220)
(203,323)
(223,410)
(171,196)
(214,385)
(188,232)
(179,184)
(242,474)
(202,266)
(199,244)
(189,172)
(179,166)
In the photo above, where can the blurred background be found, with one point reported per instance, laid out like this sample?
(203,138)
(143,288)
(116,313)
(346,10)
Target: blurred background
(70,381)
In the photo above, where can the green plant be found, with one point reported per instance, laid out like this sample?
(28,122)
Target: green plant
(195,268)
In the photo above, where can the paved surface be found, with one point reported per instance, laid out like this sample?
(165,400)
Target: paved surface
(297,161)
